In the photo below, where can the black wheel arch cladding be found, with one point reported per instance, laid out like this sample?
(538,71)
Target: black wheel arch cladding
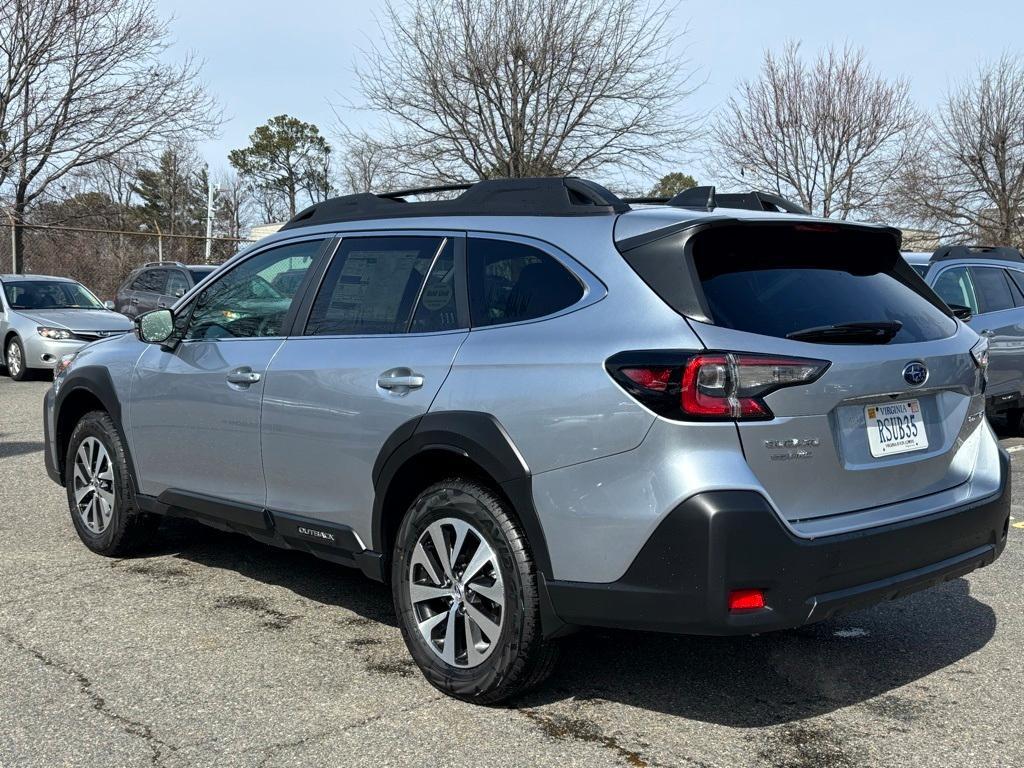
(95,381)
(474,437)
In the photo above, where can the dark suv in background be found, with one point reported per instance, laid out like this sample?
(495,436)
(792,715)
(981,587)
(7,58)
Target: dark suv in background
(156,285)
(987,282)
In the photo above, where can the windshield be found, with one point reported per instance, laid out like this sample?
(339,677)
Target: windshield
(49,294)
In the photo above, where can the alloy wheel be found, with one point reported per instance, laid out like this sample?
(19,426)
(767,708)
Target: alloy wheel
(94,485)
(457,593)
(14,361)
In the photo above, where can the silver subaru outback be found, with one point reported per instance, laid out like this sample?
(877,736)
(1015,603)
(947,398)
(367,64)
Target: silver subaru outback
(536,406)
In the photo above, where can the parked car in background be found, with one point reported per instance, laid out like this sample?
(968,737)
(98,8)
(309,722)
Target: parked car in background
(43,317)
(158,284)
(989,283)
(535,407)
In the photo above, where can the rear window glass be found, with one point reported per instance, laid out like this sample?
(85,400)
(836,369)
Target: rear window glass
(198,273)
(780,282)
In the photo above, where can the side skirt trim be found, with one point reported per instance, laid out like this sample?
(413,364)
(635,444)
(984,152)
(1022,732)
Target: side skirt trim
(327,541)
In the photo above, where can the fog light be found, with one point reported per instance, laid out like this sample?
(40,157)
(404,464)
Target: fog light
(745,600)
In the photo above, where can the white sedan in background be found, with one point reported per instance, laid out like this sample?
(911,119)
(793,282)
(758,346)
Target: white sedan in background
(43,317)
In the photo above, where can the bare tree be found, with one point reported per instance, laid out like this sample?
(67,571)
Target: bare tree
(831,133)
(89,84)
(234,205)
(968,179)
(369,165)
(489,88)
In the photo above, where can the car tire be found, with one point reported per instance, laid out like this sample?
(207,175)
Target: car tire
(500,597)
(14,359)
(100,493)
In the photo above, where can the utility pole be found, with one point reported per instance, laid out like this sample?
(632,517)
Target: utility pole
(209,213)
(14,258)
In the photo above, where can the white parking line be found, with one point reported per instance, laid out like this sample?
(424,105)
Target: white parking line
(1015,448)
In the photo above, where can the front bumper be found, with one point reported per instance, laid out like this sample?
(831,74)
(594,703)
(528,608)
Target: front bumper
(719,541)
(41,352)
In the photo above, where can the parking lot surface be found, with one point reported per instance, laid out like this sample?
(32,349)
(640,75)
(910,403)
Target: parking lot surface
(214,650)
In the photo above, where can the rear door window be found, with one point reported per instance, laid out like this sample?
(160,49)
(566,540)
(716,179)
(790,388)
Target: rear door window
(1017,278)
(780,281)
(374,283)
(955,287)
(992,288)
(511,282)
(177,284)
(151,280)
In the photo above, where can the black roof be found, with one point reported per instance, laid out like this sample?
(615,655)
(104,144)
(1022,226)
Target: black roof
(999,253)
(562,196)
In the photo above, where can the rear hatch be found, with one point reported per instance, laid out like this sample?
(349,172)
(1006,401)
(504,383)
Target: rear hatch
(888,394)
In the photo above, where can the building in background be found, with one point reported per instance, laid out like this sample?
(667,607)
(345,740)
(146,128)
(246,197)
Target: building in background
(264,230)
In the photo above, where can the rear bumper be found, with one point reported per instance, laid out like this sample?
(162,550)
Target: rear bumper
(719,541)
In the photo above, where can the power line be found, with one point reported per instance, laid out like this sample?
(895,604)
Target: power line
(130,233)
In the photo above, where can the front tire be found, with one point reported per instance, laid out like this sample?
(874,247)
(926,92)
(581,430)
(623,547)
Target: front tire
(14,359)
(465,589)
(99,490)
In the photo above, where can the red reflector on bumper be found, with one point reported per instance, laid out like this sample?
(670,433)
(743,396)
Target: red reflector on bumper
(746,599)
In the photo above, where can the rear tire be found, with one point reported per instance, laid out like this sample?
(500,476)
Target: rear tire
(14,359)
(100,492)
(473,625)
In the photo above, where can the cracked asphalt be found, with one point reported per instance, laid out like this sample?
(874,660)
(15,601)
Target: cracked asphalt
(214,650)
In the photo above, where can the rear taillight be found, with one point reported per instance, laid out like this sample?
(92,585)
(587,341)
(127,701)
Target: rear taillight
(710,386)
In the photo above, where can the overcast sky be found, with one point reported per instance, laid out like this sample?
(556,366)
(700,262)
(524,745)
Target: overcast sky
(268,57)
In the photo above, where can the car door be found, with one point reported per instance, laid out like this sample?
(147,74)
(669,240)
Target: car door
(148,289)
(1000,321)
(382,333)
(195,410)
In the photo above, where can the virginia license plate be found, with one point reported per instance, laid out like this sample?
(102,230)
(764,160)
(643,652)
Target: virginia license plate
(895,428)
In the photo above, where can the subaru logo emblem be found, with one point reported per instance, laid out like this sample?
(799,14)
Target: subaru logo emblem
(915,374)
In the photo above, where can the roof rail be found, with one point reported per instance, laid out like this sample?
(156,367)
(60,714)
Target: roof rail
(163,264)
(541,196)
(708,199)
(999,253)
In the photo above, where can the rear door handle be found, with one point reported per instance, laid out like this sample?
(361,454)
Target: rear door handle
(243,377)
(400,380)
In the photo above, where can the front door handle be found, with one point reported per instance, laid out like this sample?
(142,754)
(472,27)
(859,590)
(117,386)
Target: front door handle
(243,377)
(400,380)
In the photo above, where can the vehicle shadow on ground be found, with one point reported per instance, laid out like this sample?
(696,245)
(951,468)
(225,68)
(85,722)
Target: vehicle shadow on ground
(9,448)
(781,677)
(301,573)
(742,682)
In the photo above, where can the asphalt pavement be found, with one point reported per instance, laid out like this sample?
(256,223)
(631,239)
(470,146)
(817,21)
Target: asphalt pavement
(212,650)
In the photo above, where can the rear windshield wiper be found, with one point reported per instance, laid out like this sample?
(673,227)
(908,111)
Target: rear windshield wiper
(880,332)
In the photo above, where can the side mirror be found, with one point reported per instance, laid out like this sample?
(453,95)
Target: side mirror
(108,304)
(960,312)
(155,327)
